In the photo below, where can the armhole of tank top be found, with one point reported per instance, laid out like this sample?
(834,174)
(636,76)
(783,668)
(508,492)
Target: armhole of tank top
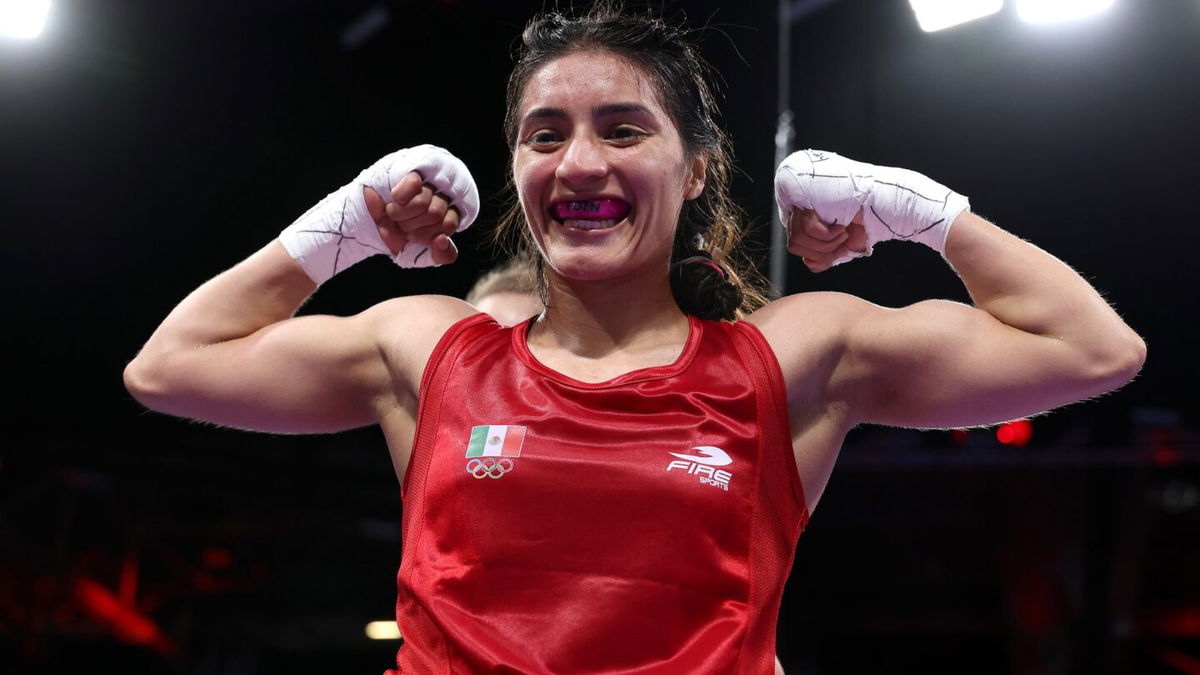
(768,378)
(433,381)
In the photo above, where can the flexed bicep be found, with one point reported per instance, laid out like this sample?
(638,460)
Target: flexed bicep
(310,374)
(1038,335)
(940,364)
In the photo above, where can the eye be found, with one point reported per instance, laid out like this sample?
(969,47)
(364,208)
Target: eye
(542,139)
(627,134)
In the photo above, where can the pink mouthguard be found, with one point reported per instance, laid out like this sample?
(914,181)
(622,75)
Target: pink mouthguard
(592,209)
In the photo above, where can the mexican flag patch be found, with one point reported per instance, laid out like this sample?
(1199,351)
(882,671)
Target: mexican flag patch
(496,440)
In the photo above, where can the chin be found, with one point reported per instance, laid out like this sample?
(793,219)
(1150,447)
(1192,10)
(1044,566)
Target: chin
(597,262)
(577,266)
(583,271)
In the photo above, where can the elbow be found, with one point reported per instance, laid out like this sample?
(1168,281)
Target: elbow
(1136,356)
(1122,362)
(140,381)
(135,380)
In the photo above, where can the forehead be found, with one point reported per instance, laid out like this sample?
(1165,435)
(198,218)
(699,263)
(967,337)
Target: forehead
(585,79)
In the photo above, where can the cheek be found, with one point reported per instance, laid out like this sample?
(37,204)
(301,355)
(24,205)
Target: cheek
(529,177)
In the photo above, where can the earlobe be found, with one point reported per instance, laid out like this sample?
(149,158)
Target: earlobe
(696,185)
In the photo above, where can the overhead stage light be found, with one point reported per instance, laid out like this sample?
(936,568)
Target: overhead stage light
(939,14)
(23,19)
(1055,11)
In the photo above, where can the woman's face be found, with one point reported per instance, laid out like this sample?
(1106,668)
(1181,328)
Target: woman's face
(600,168)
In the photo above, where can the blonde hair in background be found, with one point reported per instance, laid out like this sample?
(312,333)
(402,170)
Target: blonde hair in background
(515,276)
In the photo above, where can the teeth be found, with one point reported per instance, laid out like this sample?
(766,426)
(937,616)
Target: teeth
(580,224)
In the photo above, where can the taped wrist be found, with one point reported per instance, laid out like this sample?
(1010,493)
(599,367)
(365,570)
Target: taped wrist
(896,203)
(338,231)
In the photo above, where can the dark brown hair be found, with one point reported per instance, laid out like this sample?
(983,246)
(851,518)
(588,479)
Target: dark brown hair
(715,282)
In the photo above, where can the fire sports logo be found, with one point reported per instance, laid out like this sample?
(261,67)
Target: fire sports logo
(703,465)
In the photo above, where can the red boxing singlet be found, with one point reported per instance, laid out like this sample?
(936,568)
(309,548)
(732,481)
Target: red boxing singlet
(641,525)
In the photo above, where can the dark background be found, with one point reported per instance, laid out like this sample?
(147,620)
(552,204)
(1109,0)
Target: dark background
(146,146)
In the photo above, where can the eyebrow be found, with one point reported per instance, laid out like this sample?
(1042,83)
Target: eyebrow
(599,111)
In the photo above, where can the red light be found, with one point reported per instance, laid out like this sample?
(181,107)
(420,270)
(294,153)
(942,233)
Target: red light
(126,622)
(958,436)
(1163,447)
(1017,432)
(217,558)
(1163,455)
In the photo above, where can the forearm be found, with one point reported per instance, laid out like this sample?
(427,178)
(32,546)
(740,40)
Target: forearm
(347,226)
(1027,288)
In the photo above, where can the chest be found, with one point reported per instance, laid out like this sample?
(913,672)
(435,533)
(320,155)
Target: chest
(543,461)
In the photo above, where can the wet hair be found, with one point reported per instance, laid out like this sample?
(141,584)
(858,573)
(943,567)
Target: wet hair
(710,276)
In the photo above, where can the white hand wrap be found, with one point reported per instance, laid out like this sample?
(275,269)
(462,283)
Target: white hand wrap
(338,231)
(896,203)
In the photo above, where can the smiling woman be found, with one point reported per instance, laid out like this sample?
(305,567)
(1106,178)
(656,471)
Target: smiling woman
(576,149)
(657,91)
(618,484)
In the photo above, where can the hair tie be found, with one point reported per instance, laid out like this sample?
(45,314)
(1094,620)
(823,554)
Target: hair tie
(703,260)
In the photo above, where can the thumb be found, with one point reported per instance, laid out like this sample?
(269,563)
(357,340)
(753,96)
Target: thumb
(443,250)
(375,205)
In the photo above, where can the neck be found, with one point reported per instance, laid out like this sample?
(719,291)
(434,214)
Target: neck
(595,318)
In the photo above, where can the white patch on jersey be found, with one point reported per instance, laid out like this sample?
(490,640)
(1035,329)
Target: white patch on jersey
(712,456)
(702,466)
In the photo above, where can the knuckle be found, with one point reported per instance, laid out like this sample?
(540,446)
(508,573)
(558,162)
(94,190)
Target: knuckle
(407,183)
(815,229)
(827,246)
(404,211)
(421,200)
(418,226)
(430,234)
(429,221)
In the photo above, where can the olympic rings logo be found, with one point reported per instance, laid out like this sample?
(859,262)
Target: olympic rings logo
(489,468)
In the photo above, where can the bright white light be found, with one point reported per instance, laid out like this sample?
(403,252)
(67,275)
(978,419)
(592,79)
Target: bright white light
(938,14)
(1054,11)
(23,19)
(383,630)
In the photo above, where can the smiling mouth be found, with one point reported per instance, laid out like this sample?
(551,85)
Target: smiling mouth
(590,214)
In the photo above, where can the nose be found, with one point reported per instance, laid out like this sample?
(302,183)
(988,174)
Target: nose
(583,163)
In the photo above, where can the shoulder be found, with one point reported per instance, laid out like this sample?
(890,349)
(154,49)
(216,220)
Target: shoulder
(415,318)
(420,312)
(408,329)
(808,333)
(807,315)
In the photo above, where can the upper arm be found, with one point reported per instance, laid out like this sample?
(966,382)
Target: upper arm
(932,364)
(945,364)
(308,374)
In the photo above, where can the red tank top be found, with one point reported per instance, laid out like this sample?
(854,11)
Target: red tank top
(641,525)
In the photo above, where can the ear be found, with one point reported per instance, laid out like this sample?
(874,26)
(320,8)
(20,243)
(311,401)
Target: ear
(695,180)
